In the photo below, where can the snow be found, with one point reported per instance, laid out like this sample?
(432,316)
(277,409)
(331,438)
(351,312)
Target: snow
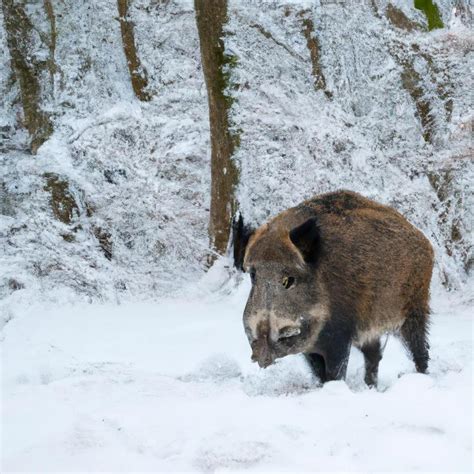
(169,386)
(128,364)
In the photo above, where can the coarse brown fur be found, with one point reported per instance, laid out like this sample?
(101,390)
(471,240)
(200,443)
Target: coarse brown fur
(355,270)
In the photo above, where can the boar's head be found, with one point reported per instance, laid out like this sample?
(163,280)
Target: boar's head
(287,305)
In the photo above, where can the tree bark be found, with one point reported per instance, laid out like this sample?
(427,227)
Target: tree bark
(48,8)
(313,46)
(410,78)
(211,16)
(138,74)
(28,70)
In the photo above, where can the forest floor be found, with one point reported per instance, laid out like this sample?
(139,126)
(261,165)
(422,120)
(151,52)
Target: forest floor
(169,386)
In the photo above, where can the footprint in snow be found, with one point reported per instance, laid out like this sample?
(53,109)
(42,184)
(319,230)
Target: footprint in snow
(279,379)
(226,454)
(216,368)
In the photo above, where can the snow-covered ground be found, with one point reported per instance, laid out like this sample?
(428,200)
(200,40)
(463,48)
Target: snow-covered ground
(169,386)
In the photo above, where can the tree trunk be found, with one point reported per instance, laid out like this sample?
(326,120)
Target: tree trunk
(48,8)
(211,15)
(410,78)
(138,74)
(313,46)
(29,69)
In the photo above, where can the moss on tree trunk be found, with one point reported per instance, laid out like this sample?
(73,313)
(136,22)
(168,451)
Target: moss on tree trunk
(211,16)
(430,9)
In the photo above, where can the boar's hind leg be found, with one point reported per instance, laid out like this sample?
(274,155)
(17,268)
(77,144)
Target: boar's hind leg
(372,355)
(414,332)
(316,362)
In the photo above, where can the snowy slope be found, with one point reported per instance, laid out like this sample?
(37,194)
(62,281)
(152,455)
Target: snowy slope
(362,130)
(168,386)
(136,170)
(139,172)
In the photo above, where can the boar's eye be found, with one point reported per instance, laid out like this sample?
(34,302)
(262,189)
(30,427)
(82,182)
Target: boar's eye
(288,282)
(253,275)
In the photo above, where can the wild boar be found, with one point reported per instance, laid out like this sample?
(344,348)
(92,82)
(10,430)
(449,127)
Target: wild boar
(336,270)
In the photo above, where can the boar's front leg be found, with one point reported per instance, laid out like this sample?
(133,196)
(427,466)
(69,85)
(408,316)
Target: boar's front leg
(318,366)
(336,362)
(333,347)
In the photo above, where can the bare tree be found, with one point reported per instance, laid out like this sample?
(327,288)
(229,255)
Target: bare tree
(138,74)
(29,68)
(211,16)
(313,46)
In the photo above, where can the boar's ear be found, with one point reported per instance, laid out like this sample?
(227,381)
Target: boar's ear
(306,238)
(241,234)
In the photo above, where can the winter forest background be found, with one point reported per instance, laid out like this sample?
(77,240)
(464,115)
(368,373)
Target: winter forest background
(132,131)
(106,174)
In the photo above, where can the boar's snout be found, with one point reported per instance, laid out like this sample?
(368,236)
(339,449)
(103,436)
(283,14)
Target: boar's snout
(262,353)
